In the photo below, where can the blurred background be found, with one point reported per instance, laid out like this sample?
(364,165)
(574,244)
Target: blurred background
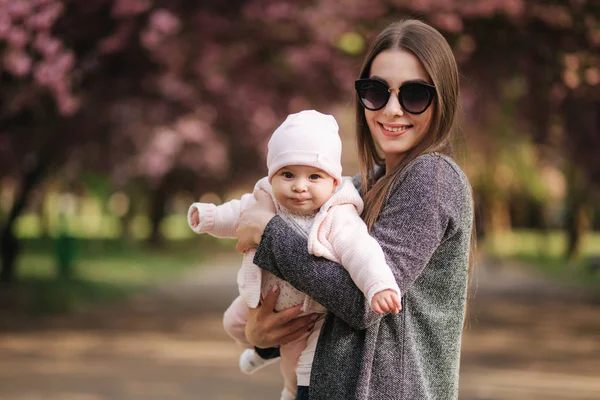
(115,115)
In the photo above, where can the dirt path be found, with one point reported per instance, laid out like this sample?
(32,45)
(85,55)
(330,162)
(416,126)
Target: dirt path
(528,340)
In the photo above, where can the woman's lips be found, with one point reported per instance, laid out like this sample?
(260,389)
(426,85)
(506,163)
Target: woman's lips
(394,130)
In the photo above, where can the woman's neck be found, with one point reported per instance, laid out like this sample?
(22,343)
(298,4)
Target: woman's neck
(392,161)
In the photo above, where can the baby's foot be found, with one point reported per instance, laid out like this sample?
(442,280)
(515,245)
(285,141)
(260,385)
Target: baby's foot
(250,361)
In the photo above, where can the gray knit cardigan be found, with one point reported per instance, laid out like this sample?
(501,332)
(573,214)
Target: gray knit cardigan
(424,230)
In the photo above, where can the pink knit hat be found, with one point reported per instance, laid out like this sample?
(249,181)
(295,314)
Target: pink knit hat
(306,138)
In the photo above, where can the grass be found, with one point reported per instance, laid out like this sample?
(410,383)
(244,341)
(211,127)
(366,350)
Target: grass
(545,252)
(105,271)
(109,269)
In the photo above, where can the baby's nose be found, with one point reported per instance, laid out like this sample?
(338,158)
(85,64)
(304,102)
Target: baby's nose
(299,186)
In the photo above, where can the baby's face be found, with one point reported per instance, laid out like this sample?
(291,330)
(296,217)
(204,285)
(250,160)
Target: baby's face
(302,189)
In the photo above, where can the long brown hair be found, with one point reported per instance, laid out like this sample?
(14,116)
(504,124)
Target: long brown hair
(435,54)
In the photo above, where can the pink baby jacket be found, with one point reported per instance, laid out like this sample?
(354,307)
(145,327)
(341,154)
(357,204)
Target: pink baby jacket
(337,233)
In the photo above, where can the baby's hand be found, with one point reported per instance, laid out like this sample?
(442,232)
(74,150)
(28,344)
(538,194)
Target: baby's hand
(385,301)
(194,218)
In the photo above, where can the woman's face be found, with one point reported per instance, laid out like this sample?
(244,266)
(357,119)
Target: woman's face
(394,130)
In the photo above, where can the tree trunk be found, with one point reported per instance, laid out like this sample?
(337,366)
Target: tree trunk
(575,213)
(9,244)
(157,213)
(125,221)
(582,125)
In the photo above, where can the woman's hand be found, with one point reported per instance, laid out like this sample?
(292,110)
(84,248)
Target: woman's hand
(253,222)
(267,328)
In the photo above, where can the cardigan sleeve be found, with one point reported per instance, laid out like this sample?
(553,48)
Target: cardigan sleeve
(359,252)
(416,217)
(220,221)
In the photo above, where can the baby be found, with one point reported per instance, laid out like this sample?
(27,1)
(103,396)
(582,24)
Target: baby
(305,182)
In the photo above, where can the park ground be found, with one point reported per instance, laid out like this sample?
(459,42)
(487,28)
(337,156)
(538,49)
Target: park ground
(528,339)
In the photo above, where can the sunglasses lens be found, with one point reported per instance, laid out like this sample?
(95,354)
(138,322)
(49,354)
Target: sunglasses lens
(373,95)
(415,97)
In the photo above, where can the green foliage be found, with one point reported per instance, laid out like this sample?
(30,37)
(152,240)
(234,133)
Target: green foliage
(106,271)
(545,251)
(97,225)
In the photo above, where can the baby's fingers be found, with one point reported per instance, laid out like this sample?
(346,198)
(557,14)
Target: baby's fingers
(389,304)
(375,305)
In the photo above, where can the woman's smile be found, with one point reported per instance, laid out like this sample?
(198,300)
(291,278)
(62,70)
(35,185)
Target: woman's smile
(394,130)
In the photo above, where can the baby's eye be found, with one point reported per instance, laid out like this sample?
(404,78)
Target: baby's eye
(314,177)
(288,175)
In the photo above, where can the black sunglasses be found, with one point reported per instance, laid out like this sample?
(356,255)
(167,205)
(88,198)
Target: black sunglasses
(414,97)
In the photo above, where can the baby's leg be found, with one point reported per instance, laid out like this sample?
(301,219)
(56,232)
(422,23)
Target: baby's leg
(235,319)
(234,322)
(308,354)
(287,395)
(290,353)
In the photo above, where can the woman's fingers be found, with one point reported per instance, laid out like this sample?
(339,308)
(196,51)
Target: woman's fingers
(265,201)
(289,314)
(267,303)
(267,328)
(298,327)
(253,221)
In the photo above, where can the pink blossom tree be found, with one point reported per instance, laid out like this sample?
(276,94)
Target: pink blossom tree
(184,95)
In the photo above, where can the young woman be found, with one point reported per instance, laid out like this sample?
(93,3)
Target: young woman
(418,206)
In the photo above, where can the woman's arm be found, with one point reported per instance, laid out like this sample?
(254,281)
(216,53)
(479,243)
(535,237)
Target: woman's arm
(284,253)
(409,230)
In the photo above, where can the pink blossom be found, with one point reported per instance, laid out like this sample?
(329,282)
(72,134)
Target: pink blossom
(215,83)
(46,45)
(17,37)
(125,8)
(447,22)
(207,113)
(44,19)
(5,24)
(421,5)
(264,118)
(43,74)
(154,165)
(167,142)
(60,88)
(68,105)
(514,8)
(298,59)
(164,22)
(214,156)
(18,8)
(39,3)
(279,11)
(17,62)
(592,76)
(119,39)
(172,87)
(150,38)
(192,129)
(65,61)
